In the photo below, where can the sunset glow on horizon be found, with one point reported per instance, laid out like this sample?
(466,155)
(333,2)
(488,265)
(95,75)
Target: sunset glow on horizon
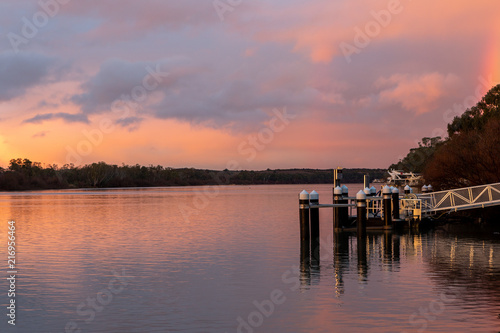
(281,84)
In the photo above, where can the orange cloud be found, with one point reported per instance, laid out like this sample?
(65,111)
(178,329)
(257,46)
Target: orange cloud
(416,93)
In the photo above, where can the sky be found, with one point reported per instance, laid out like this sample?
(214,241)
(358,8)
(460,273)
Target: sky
(239,84)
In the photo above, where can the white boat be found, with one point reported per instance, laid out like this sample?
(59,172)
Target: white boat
(399,178)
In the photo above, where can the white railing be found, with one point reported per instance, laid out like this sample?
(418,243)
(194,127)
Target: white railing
(410,208)
(462,198)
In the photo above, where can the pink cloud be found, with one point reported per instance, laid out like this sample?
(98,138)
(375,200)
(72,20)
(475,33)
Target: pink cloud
(318,28)
(416,93)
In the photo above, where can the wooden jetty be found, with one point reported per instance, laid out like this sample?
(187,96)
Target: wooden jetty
(390,209)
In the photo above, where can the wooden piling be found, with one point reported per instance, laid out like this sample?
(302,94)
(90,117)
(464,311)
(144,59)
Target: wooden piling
(337,177)
(395,203)
(407,190)
(366,181)
(304,216)
(386,202)
(344,211)
(361,212)
(337,195)
(314,212)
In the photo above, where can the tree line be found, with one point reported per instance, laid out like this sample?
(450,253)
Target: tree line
(469,156)
(23,174)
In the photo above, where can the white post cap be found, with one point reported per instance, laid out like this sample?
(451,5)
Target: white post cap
(304,195)
(386,190)
(345,189)
(395,190)
(314,195)
(360,195)
(337,190)
(367,191)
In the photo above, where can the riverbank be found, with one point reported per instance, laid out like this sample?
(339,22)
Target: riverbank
(25,175)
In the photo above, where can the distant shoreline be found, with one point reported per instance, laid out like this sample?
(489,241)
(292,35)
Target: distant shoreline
(153,187)
(24,176)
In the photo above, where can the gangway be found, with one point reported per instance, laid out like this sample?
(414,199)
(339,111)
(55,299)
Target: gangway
(460,199)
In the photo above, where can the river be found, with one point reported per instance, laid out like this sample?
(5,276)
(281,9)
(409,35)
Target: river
(227,259)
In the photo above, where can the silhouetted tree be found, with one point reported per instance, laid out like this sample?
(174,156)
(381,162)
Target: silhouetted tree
(471,155)
(416,160)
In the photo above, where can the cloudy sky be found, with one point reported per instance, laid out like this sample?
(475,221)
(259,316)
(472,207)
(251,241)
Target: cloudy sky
(237,83)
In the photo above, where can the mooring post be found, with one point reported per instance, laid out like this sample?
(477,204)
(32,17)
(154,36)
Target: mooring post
(429,188)
(314,200)
(407,190)
(424,189)
(368,194)
(361,211)
(395,203)
(366,181)
(337,177)
(314,213)
(344,211)
(337,195)
(304,216)
(373,204)
(367,191)
(387,198)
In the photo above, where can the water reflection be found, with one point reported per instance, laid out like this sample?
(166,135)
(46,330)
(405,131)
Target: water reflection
(305,262)
(474,262)
(436,271)
(202,273)
(362,258)
(471,263)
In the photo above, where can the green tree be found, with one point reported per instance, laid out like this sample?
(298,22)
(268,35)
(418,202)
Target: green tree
(479,115)
(418,158)
(471,155)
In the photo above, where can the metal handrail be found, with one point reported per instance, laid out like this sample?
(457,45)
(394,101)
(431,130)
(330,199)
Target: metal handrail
(463,198)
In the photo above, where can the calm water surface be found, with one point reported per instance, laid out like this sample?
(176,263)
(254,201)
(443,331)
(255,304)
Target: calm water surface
(227,259)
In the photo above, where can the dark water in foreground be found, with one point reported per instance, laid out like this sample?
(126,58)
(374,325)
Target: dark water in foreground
(227,259)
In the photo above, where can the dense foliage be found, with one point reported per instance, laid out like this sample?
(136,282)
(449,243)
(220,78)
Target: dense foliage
(477,117)
(416,160)
(471,153)
(23,174)
(469,158)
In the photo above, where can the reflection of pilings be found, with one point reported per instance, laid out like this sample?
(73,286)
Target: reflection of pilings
(305,262)
(315,262)
(396,252)
(362,258)
(315,254)
(340,259)
(387,246)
